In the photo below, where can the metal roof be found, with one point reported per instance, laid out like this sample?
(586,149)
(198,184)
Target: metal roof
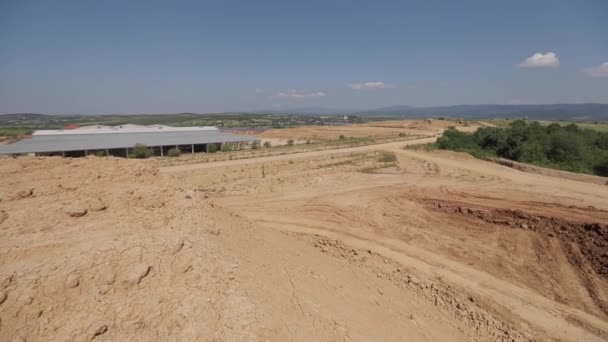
(100,141)
(127,128)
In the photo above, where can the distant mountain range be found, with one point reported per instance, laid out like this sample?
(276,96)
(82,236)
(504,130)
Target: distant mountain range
(574,112)
(583,111)
(308,111)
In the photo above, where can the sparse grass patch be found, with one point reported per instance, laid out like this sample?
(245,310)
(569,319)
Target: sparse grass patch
(174,152)
(376,169)
(15,132)
(421,147)
(141,151)
(387,157)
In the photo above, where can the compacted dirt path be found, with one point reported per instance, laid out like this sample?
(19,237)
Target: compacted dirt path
(224,163)
(509,254)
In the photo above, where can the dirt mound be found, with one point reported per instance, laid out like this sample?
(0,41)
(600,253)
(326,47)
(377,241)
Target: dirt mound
(109,249)
(106,248)
(586,243)
(443,297)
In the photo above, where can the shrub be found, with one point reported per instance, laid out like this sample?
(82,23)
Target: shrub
(267,144)
(601,169)
(341,137)
(227,147)
(101,154)
(174,152)
(290,142)
(141,151)
(564,147)
(387,158)
(255,145)
(453,139)
(211,148)
(402,134)
(308,142)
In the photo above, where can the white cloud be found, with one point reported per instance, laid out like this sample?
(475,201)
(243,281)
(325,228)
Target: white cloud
(370,85)
(597,71)
(299,94)
(540,60)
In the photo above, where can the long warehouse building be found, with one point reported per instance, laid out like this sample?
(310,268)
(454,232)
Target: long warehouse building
(120,140)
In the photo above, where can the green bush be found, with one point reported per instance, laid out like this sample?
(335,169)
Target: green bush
(267,144)
(601,169)
(290,142)
(101,154)
(211,148)
(255,145)
(308,141)
(402,134)
(564,147)
(341,137)
(227,147)
(174,152)
(141,151)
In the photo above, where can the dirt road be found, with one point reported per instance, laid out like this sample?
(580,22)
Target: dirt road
(302,155)
(444,221)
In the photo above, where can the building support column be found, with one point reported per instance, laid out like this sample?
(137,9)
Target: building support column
(107,152)
(207,148)
(192,148)
(86,153)
(63,154)
(127,152)
(161,151)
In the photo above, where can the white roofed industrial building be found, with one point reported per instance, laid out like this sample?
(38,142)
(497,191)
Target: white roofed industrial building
(119,140)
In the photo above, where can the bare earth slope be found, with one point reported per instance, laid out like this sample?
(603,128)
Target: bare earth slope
(108,249)
(526,249)
(350,245)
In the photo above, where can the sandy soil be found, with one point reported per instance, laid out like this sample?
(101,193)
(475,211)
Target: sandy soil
(379,129)
(361,244)
(523,251)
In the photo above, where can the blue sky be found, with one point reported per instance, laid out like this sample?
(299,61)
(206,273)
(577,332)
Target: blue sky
(213,56)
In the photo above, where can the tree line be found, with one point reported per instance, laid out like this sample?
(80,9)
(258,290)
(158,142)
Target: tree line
(569,147)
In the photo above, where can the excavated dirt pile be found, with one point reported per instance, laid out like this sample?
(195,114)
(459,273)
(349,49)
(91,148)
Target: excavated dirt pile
(584,241)
(94,248)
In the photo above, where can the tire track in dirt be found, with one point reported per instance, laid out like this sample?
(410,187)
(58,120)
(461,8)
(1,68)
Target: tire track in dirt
(301,155)
(502,296)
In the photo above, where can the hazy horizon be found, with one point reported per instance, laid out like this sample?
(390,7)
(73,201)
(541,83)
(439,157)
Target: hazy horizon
(316,110)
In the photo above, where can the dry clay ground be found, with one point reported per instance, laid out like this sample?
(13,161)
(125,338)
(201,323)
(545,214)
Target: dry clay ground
(376,129)
(353,245)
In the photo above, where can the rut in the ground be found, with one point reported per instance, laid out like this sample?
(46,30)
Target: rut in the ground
(585,243)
